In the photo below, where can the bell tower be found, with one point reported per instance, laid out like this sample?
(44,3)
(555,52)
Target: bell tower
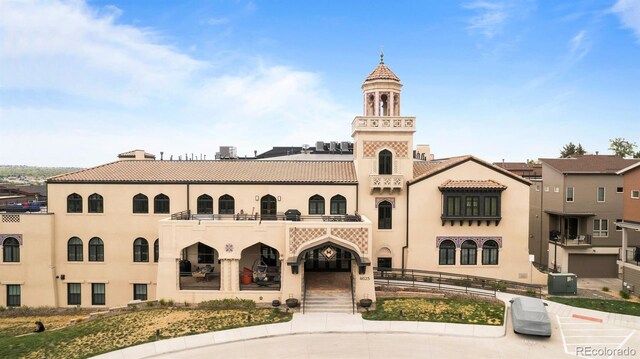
(383,160)
(382,92)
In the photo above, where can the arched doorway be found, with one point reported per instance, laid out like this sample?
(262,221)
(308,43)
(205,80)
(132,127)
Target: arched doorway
(328,267)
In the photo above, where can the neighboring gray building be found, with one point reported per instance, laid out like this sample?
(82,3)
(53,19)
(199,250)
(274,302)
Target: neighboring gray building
(581,202)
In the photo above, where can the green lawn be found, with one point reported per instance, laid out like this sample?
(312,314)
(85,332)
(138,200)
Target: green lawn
(610,306)
(465,311)
(93,337)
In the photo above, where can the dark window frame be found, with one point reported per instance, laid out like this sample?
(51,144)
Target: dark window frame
(97,297)
(74,298)
(206,254)
(469,253)
(140,203)
(447,253)
(140,295)
(385,162)
(316,205)
(490,253)
(11,250)
(156,250)
(161,204)
(204,204)
(74,203)
(338,205)
(14,300)
(140,250)
(95,203)
(385,262)
(385,215)
(268,207)
(96,249)
(74,250)
(471,204)
(226,204)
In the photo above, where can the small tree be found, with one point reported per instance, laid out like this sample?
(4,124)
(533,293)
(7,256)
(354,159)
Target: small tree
(568,150)
(580,150)
(622,148)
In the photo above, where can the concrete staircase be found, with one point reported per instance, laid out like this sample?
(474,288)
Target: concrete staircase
(331,302)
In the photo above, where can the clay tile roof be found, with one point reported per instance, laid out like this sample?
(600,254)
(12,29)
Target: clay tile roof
(132,154)
(472,184)
(422,170)
(600,164)
(382,72)
(147,171)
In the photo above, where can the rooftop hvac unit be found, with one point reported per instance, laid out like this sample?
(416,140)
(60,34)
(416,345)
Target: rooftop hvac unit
(332,146)
(344,146)
(319,146)
(228,152)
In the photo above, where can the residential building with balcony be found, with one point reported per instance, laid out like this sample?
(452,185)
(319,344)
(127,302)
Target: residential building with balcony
(191,230)
(581,201)
(629,257)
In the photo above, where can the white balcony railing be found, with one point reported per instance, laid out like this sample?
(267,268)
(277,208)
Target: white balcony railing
(384,123)
(386,182)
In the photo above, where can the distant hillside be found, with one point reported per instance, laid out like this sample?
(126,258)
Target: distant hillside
(30,174)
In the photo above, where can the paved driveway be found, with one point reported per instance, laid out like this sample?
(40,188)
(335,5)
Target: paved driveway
(375,345)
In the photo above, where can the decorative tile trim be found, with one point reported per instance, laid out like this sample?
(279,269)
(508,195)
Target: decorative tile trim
(372,147)
(391,200)
(299,236)
(5,236)
(479,240)
(357,236)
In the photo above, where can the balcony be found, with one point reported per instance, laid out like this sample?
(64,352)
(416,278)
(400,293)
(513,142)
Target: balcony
(383,123)
(583,240)
(384,182)
(292,217)
(632,256)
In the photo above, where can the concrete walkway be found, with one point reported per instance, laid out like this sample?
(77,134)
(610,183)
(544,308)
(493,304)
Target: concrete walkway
(347,323)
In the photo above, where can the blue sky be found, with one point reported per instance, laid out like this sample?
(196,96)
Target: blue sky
(511,80)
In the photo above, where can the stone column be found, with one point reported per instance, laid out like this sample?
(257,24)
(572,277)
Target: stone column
(376,104)
(391,103)
(623,253)
(229,275)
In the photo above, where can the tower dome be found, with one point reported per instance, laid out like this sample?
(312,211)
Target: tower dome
(382,72)
(381,91)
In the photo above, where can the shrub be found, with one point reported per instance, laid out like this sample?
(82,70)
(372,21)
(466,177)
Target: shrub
(428,279)
(241,304)
(624,294)
(187,304)
(531,292)
(170,302)
(501,287)
(163,302)
(150,304)
(605,289)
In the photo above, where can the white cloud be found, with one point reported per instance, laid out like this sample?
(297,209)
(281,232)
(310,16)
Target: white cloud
(490,17)
(629,13)
(579,45)
(97,88)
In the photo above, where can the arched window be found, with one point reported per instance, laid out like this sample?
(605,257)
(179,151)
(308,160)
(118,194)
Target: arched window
(74,249)
(140,203)
(226,205)
(96,204)
(11,250)
(205,204)
(156,250)
(447,253)
(469,253)
(74,203)
(338,205)
(316,204)
(140,250)
(385,162)
(268,207)
(96,250)
(161,203)
(490,252)
(384,215)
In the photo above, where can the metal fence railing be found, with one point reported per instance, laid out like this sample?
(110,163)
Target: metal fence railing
(452,282)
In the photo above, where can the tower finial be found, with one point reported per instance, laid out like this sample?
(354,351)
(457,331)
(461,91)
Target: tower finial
(381,56)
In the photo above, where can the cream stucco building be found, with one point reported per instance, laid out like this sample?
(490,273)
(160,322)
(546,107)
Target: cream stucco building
(141,228)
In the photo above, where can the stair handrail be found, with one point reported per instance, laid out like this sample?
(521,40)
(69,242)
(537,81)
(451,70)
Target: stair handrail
(353,296)
(304,290)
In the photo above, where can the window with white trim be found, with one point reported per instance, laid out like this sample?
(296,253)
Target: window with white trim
(635,194)
(600,228)
(569,194)
(619,189)
(600,194)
